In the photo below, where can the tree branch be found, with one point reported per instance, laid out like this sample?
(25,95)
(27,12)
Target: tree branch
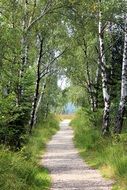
(44,12)
(43,73)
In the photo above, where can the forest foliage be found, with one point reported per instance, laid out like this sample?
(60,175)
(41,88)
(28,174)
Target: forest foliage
(23,170)
(42,40)
(107,154)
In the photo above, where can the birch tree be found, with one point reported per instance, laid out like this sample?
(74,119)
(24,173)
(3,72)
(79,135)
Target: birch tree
(106,96)
(89,84)
(37,85)
(24,50)
(45,66)
(29,20)
(123,98)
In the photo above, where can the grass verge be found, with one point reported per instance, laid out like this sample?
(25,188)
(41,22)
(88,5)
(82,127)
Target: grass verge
(20,170)
(106,154)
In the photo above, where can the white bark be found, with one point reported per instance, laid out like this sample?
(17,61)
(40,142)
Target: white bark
(96,88)
(90,87)
(39,102)
(37,87)
(24,35)
(24,53)
(123,99)
(106,96)
(124,66)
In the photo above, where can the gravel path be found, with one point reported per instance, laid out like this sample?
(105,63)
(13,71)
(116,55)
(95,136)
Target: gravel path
(68,170)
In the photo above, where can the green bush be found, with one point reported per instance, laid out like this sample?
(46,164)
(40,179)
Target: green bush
(21,170)
(101,152)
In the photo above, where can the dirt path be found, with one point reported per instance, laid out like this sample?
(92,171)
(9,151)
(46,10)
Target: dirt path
(68,170)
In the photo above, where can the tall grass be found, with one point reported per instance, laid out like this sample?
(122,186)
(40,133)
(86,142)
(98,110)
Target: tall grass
(107,153)
(21,170)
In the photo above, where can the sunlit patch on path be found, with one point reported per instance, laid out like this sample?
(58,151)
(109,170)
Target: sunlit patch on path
(68,170)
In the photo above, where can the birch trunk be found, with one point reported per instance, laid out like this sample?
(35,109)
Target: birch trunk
(39,102)
(90,88)
(24,53)
(106,97)
(93,90)
(34,104)
(123,99)
(89,83)
(91,98)
(37,86)
(96,88)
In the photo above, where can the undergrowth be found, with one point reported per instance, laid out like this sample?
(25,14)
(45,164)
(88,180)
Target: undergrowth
(108,154)
(21,170)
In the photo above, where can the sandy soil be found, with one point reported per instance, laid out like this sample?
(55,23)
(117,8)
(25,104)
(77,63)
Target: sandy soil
(68,170)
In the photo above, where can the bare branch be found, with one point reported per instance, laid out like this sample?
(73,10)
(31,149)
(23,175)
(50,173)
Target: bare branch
(33,12)
(103,27)
(44,12)
(47,68)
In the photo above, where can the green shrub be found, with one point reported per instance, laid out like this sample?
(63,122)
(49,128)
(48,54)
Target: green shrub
(21,170)
(98,151)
